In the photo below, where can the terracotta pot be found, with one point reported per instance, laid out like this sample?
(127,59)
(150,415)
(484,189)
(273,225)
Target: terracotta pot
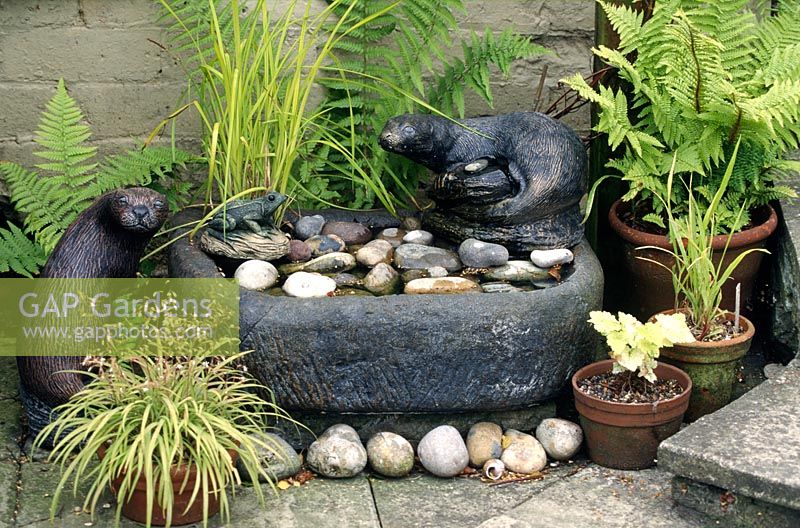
(712,365)
(626,435)
(650,285)
(136,507)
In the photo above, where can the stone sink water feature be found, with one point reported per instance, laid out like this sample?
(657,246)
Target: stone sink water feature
(413,353)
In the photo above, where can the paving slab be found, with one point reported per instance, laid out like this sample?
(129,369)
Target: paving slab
(600,497)
(8,492)
(424,501)
(9,382)
(751,447)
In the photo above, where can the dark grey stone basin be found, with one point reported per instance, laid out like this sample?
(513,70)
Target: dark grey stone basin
(415,353)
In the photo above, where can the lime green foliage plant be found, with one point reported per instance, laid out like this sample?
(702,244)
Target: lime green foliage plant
(696,279)
(257,78)
(634,346)
(702,76)
(154,414)
(68,181)
(388,66)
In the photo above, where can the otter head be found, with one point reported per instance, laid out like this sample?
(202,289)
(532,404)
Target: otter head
(419,137)
(138,209)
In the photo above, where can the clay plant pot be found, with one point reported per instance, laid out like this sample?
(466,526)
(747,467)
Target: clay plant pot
(135,508)
(712,365)
(626,435)
(650,286)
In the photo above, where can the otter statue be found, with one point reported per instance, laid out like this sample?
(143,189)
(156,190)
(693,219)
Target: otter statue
(515,179)
(107,240)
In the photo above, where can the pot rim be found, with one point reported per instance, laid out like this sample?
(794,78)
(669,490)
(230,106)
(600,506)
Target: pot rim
(740,239)
(749,331)
(664,407)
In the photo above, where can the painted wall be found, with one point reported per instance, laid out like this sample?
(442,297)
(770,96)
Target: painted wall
(107,51)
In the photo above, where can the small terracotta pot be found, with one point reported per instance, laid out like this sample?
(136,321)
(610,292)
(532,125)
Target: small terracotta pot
(712,365)
(626,435)
(650,285)
(136,507)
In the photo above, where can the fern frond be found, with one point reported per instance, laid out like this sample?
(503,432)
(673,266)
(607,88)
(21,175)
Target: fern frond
(137,168)
(18,253)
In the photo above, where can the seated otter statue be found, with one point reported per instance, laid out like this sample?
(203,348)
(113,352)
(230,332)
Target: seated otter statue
(515,179)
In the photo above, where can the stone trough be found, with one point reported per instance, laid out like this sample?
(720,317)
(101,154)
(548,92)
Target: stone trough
(413,353)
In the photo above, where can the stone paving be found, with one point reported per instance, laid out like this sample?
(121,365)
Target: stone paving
(570,495)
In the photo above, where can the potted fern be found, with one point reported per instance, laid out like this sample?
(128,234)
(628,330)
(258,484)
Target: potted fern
(167,431)
(630,403)
(722,338)
(702,76)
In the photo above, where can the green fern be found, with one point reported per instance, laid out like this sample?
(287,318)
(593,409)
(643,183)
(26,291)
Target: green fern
(51,200)
(705,74)
(412,48)
(18,253)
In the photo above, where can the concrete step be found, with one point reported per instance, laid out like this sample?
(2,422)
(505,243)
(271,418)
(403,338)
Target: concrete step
(750,448)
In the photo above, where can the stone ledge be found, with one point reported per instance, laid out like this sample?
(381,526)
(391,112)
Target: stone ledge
(751,447)
(784,317)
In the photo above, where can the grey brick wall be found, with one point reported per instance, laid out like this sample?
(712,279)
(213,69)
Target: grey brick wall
(125,83)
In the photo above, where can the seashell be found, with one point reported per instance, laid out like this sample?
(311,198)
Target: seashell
(476,166)
(494,468)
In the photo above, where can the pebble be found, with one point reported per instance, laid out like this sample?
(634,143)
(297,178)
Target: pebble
(484,442)
(392,235)
(499,287)
(324,244)
(344,280)
(437,272)
(374,253)
(516,271)
(337,453)
(544,284)
(299,251)
(382,280)
(410,223)
(418,236)
(350,232)
(278,458)
(303,284)
(410,275)
(442,451)
(308,226)
(417,256)
(390,454)
(560,439)
(477,254)
(547,258)
(329,263)
(256,275)
(442,285)
(524,453)
(773,370)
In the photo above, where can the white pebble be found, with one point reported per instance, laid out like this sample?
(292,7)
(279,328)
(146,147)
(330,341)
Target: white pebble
(547,258)
(256,275)
(304,284)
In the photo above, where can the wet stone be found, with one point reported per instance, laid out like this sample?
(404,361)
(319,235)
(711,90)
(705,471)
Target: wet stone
(544,284)
(330,263)
(517,271)
(437,272)
(392,235)
(477,254)
(382,280)
(484,442)
(390,454)
(324,244)
(337,453)
(547,258)
(308,226)
(418,236)
(278,458)
(256,275)
(350,232)
(374,253)
(417,256)
(299,251)
(560,439)
(414,274)
(499,287)
(523,453)
(303,284)
(443,452)
(442,285)
(348,280)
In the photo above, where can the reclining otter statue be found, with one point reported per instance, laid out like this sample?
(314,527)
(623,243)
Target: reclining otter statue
(514,179)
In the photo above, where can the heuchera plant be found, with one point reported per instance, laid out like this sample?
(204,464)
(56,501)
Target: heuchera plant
(634,346)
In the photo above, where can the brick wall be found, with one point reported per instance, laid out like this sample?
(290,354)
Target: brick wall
(125,83)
